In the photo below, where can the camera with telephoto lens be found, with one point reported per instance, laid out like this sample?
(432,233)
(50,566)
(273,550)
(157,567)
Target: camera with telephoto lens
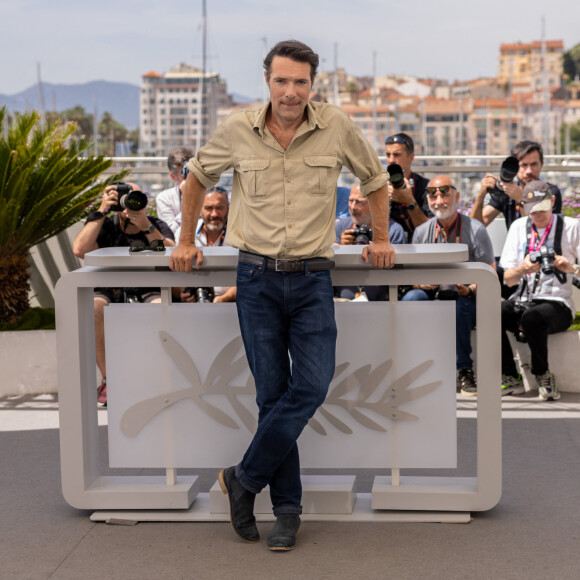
(447,292)
(129,198)
(363,235)
(546,257)
(397,176)
(507,173)
(202,295)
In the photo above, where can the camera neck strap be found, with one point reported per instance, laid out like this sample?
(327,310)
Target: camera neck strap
(442,235)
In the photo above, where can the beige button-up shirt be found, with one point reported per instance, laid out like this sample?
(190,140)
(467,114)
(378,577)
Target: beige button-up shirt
(283,201)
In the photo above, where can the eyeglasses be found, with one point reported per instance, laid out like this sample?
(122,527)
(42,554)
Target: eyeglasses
(443,189)
(400,139)
(141,246)
(357,201)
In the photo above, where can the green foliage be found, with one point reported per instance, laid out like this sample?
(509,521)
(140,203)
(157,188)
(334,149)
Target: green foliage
(576,323)
(46,184)
(33,319)
(572,62)
(574,131)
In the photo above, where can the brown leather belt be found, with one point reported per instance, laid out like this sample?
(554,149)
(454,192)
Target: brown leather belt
(311,265)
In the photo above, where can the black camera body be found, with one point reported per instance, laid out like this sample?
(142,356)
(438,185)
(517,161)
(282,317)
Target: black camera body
(363,235)
(202,294)
(129,198)
(397,175)
(546,257)
(507,173)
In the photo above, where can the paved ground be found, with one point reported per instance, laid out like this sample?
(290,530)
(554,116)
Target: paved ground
(534,531)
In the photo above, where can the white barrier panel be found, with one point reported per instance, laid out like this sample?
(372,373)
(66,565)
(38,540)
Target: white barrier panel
(401,363)
(180,393)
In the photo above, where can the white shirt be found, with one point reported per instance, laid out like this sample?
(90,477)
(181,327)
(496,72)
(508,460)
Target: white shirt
(169,207)
(547,287)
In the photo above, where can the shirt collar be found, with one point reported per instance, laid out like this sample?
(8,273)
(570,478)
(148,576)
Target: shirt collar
(312,119)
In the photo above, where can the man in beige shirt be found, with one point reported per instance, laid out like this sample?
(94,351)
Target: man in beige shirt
(286,156)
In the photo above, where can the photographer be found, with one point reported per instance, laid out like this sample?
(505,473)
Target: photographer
(168,201)
(506,195)
(120,221)
(530,158)
(539,256)
(449,226)
(409,206)
(211,231)
(357,229)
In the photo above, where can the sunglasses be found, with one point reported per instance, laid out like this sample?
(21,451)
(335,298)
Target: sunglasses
(141,246)
(444,189)
(399,139)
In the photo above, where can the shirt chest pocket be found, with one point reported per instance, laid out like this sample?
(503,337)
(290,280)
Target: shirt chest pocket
(254,175)
(318,174)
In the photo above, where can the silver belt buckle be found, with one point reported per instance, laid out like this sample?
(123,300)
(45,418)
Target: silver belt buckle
(276,268)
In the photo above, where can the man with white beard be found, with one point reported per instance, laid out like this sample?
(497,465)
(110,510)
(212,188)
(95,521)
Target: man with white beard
(211,231)
(450,227)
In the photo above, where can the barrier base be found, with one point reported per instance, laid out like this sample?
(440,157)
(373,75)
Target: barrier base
(362,512)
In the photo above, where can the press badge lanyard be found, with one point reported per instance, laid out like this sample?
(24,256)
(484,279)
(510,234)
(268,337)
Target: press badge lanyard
(534,247)
(535,236)
(445,235)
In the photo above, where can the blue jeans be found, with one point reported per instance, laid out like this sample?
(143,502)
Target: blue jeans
(289,332)
(464,324)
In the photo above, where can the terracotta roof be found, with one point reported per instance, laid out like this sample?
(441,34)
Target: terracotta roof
(530,45)
(152,74)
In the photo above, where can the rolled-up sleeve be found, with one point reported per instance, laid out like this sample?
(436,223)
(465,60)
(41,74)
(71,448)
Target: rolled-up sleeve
(213,158)
(362,160)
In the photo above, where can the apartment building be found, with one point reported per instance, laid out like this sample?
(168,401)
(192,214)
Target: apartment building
(172,113)
(521,63)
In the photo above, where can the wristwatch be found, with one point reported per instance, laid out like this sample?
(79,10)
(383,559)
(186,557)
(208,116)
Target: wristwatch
(94,216)
(412,206)
(149,230)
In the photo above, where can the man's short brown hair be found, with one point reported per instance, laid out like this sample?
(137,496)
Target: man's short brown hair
(294,50)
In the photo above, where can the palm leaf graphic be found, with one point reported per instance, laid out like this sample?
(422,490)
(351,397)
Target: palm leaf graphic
(137,416)
(366,383)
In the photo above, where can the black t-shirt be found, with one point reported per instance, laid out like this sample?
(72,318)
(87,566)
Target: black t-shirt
(112,236)
(511,209)
(399,212)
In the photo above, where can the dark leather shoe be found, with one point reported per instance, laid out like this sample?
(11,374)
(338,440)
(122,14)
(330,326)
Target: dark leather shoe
(283,534)
(241,505)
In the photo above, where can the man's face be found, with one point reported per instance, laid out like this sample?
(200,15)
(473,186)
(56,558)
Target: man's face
(214,212)
(359,207)
(530,167)
(290,86)
(541,219)
(397,153)
(443,204)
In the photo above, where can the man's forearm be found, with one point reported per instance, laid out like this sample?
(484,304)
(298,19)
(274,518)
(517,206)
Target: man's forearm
(379,206)
(512,276)
(193,194)
(477,209)
(417,216)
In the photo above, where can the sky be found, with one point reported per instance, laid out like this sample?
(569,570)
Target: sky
(121,40)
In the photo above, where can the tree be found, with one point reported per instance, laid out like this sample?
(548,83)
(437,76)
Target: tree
(572,63)
(77,115)
(111,132)
(574,132)
(45,187)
